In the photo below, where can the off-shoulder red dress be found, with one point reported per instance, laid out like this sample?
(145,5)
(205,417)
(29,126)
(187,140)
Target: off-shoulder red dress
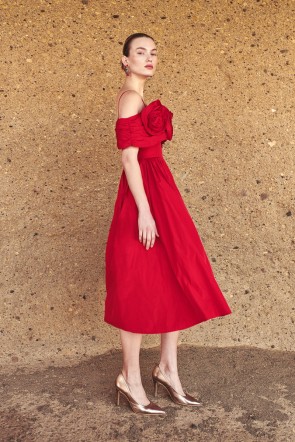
(170,286)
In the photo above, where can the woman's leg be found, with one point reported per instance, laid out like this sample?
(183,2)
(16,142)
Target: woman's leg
(131,343)
(168,359)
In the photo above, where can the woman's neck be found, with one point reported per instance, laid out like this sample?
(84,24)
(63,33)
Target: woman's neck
(135,83)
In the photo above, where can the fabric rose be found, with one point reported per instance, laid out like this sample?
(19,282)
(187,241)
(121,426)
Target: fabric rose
(156,118)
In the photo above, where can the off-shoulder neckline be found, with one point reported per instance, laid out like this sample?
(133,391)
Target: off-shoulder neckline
(135,115)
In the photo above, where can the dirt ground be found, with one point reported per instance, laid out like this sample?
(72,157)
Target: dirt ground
(247,395)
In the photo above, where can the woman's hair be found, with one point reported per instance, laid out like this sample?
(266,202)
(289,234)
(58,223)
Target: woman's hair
(127,44)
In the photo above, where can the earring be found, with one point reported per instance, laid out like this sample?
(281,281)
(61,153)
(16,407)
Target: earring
(126,69)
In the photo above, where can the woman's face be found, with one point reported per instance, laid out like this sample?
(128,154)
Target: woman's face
(142,59)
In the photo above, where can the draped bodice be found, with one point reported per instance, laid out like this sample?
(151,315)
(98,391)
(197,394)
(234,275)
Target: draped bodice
(147,130)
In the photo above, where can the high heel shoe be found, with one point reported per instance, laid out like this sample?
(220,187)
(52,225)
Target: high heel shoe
(124,390)
(160,378)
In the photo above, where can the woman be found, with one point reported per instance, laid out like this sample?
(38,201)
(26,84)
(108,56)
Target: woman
(158,277)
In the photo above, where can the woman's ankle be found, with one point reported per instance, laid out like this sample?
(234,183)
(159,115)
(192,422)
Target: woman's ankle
(132,377)
(168,368)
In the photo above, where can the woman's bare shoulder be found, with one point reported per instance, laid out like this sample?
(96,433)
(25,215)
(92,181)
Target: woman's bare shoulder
(129,103)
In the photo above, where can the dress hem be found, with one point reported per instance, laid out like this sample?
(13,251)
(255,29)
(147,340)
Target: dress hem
(167,330)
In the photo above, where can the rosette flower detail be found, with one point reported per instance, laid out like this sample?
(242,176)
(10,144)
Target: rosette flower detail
(157,118)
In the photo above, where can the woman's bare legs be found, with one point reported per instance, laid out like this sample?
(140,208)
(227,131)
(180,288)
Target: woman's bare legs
(168,359)
(131,343)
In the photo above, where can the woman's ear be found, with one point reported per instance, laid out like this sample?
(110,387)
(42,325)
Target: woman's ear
(124,60)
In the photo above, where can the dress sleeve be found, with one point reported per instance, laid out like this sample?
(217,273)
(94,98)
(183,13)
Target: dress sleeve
(130,131)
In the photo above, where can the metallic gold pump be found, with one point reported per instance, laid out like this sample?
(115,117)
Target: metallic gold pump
(160,378)
(124,390)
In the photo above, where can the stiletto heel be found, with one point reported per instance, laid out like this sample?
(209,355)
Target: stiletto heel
(124,390)
(155,388)
(160,378)
(118,397)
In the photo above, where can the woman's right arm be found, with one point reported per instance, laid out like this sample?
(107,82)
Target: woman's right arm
(147,229)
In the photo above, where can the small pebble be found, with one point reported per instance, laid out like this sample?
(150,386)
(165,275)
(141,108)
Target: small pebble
(263,196)
(272,143)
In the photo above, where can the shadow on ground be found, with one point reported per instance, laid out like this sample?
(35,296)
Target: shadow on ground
(248,395)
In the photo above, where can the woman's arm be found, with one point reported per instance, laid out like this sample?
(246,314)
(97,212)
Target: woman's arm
(131,104)
(146,224)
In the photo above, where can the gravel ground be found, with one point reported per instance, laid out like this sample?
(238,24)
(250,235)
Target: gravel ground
(247,395)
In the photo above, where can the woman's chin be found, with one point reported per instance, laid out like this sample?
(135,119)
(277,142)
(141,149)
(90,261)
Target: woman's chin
(145,75)
(149,74)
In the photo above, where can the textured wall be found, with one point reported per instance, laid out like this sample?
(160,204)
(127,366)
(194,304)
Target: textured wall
(226,70)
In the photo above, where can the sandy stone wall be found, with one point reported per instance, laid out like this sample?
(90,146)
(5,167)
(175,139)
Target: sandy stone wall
(226,70)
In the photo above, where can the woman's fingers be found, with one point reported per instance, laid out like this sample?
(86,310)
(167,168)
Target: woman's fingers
(147,238)
(147,231)
(153,239)
(144,238)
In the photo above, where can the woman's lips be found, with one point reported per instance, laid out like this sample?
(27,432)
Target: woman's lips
(149,67)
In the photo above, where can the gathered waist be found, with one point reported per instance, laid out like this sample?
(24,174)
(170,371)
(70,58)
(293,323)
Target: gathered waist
(150,152)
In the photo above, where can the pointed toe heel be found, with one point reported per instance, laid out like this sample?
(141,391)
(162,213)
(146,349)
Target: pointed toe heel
(159,378)
(124,390)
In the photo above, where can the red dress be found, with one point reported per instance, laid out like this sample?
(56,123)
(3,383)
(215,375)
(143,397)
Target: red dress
(170,286)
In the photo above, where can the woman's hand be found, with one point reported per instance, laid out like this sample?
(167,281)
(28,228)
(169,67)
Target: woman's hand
(147,229)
